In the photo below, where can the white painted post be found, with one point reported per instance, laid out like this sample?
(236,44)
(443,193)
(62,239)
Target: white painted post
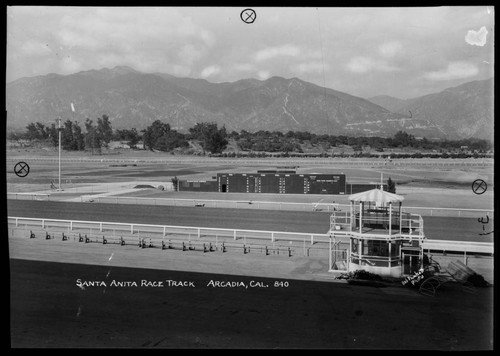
(272,236)
(235,234)
(132,229)
(198,232)
(312,239)
(71,225)
(330,253)
(360,216)
(390,218)
(164,231)
(43,224)
(100,227)
(16,222)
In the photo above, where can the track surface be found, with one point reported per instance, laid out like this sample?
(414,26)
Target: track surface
(439,228)
(48,309)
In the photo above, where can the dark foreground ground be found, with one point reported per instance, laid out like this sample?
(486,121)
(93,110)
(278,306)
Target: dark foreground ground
(49,309)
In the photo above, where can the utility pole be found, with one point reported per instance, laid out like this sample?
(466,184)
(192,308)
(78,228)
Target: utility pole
(59,130)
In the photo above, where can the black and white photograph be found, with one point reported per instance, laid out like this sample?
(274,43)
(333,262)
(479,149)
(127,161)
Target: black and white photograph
(250,177)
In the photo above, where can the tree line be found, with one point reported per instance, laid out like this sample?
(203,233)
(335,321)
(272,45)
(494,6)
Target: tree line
(160,136)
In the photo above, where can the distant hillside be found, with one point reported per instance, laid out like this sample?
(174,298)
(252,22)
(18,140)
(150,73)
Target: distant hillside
(388,102)
(134,99)
(464,111)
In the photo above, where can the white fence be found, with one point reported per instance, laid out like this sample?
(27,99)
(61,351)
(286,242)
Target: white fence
(286,206)
(162,231)
(459,246)
(249,204)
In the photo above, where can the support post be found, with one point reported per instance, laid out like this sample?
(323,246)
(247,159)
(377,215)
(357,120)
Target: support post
(330,254)
(360,216)
(390,218)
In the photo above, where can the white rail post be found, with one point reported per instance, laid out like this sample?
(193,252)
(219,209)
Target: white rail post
(272,236)
(100,226)
(132,229)
(43,224)
(330,253)
(16,222)
(198,232)
(312,239)
(234,234)
(71,225)
(164,231)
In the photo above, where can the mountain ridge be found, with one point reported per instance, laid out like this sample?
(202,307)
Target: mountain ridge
(135,99)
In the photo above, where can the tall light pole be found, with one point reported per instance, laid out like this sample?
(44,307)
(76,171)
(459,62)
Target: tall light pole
(59,129)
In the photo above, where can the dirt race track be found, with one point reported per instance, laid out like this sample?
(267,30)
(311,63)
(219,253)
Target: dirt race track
(49,309)
(439,228)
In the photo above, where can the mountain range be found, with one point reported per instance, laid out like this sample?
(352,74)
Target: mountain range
(134,99)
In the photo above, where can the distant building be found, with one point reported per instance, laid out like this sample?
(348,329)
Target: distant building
(284,181)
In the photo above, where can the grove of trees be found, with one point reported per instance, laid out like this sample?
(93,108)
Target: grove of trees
(159,136)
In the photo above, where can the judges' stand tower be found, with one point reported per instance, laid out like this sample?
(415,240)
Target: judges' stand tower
(375,235)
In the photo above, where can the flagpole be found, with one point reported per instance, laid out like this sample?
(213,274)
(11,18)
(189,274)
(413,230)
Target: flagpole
(59,129)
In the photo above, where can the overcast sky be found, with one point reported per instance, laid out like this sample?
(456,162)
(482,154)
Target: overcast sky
(402,52)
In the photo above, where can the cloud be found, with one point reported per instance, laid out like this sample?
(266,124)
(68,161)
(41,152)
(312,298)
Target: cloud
(34,48)
(263,74)
(368,64)
(244,67)
(271,52)
(390,49)
(189,54)
(477,38)
(454,70)
(309,67)
(210,70)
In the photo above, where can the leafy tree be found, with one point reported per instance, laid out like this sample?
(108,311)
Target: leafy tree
(36,131)
(391,186)
(53,133)
(78,137)
(175,182)
(160,136)
(131,136)
(92,139)
(212,139)
(67,141)
(104,130)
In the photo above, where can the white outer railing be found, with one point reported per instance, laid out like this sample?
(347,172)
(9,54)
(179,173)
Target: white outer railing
(249,204)
(461,246)
(164,230)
